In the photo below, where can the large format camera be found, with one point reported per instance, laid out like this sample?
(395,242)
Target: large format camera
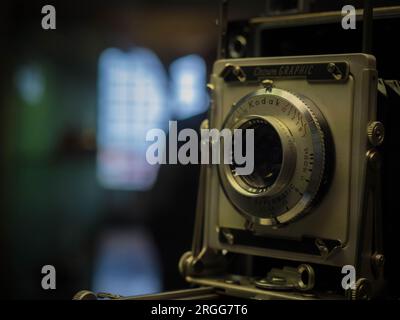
(315,133)
(312,209)
(318,207)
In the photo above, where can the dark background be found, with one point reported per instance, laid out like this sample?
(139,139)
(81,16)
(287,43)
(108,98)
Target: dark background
(52,208)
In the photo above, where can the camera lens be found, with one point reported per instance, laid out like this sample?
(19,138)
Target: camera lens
(267,154)
(287,162)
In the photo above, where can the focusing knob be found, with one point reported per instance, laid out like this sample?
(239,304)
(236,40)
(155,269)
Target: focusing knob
(362,291)
(376,133)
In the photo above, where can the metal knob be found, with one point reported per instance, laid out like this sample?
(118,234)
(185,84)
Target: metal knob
(376,133)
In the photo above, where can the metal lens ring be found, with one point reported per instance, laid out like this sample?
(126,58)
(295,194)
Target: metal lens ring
(290,156)
(274,160)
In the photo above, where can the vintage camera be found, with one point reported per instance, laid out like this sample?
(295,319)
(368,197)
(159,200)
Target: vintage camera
(315,128)
(311,211)
(317,217)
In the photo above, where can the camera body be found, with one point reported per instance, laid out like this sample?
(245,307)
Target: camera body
(339,216)
(319,204)
(316,139)
(321,120)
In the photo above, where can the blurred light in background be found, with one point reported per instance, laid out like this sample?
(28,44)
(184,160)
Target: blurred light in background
(30,84)
(132,100)
(188,87)
(127,264)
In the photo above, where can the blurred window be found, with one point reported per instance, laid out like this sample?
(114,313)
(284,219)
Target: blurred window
(132,99)
(188,86)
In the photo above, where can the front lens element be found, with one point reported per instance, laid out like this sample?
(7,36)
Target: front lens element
(267,154)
